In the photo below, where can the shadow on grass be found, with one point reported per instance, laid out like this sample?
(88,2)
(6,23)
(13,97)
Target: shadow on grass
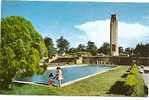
(4,89)
(119,88)
(124,75)
(146,90)
(18,84)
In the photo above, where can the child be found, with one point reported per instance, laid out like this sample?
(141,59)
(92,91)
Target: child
(50,82)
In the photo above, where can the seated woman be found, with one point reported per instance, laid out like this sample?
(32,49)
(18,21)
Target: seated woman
(141,68)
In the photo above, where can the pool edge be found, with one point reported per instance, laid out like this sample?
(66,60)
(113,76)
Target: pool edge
(67,83)
(88,76)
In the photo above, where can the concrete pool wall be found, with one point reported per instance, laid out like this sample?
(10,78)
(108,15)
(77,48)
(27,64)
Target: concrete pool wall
(66,66)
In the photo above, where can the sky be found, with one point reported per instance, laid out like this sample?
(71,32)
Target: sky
(80,22)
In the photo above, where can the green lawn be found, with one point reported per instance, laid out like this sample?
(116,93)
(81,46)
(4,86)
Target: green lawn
(96,85)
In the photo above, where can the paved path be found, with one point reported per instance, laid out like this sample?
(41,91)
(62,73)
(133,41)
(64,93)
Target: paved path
(146,79)
(146,76)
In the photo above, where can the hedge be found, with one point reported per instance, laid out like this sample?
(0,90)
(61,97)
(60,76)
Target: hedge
(135,83)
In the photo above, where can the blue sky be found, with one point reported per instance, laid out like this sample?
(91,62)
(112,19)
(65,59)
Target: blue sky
(80,22)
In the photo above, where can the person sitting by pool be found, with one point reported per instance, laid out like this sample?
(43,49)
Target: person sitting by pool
(141,68)
(59,75)
(129,68)
(50,82)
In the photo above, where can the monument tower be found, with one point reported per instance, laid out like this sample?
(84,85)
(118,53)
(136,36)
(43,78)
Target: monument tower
(114,35)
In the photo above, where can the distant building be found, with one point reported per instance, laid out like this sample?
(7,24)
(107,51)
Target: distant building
(114,35)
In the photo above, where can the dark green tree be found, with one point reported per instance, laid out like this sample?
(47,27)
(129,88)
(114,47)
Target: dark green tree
(142,50)
(50,46)
(105,48)
(129,51)
(91,47)
(22,47)
(121,50)
(62,45)
(73,50)
(81,47)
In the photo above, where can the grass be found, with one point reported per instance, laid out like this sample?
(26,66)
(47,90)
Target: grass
(98,85)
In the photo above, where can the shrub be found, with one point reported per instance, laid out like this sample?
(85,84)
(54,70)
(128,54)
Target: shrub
(134,70)
(135,83)
(131,80)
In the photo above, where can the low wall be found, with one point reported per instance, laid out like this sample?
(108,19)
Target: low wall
(103,60)
(65,60)
(116,60)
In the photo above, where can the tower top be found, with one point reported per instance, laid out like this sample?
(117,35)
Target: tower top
(113,17)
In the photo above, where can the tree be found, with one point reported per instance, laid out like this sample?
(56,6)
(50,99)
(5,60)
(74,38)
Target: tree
(142,50)
(81,47)
(8,66)
(129,51)
(50,46)
(105,48)
(62,45)
(121,50)
(22,47)
(91,47)
(73,50)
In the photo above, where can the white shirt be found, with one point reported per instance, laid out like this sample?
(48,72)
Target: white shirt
(59,74)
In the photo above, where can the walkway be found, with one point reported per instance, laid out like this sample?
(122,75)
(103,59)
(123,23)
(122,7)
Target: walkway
(146,75)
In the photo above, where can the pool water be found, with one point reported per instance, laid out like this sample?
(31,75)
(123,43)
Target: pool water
(69,74)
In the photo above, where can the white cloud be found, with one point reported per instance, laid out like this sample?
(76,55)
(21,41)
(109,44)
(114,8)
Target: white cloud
(146,18)
(129,33)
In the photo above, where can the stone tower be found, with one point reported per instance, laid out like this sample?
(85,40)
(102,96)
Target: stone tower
(114,36)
